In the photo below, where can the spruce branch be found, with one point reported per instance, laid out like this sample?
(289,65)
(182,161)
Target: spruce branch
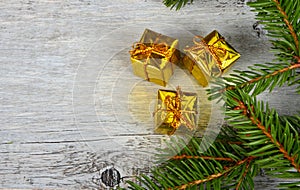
(176,3)
(227,170)
(281,19)
(287,22)
(181,157)
(258,79)
(247,168)
(277,72)
(284,138)
(222,165)
(187,171)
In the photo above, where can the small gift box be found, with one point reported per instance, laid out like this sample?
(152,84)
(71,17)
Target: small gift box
(153,57)
(210,56)
(175,109)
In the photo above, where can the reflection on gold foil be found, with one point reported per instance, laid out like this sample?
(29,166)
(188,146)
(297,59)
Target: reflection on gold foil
(210,56)
(153,57)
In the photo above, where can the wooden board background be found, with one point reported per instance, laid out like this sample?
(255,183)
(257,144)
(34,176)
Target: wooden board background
(54,58)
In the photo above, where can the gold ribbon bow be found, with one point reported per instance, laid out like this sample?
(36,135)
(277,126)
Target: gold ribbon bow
(200,44)
(173,105)
(142,49)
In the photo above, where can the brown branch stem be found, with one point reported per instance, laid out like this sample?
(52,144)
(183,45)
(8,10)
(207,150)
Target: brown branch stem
(297,58)
(266,132)
(214,176)
(289,25)
(244,174)
(231,142)
(181,157)
(294,66)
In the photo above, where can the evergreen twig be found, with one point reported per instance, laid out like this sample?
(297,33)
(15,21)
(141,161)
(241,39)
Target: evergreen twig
(218,175)
(266,76)
(178,4)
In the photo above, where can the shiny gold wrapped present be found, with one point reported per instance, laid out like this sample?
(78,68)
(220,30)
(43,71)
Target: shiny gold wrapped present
(153,57)
(210,56)
(175,109)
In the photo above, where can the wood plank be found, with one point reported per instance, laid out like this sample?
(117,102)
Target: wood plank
(67,90)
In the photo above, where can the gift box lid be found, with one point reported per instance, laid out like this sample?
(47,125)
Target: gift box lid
(222,49)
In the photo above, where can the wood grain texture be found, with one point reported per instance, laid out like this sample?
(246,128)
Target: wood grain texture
(49,137)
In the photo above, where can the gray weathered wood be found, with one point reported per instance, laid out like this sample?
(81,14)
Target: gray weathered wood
(67,91)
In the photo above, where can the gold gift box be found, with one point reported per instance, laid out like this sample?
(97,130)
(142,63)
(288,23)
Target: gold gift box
(175,109)
(210,56)
(153,57)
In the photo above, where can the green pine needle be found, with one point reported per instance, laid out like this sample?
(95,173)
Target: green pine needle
(177,4)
